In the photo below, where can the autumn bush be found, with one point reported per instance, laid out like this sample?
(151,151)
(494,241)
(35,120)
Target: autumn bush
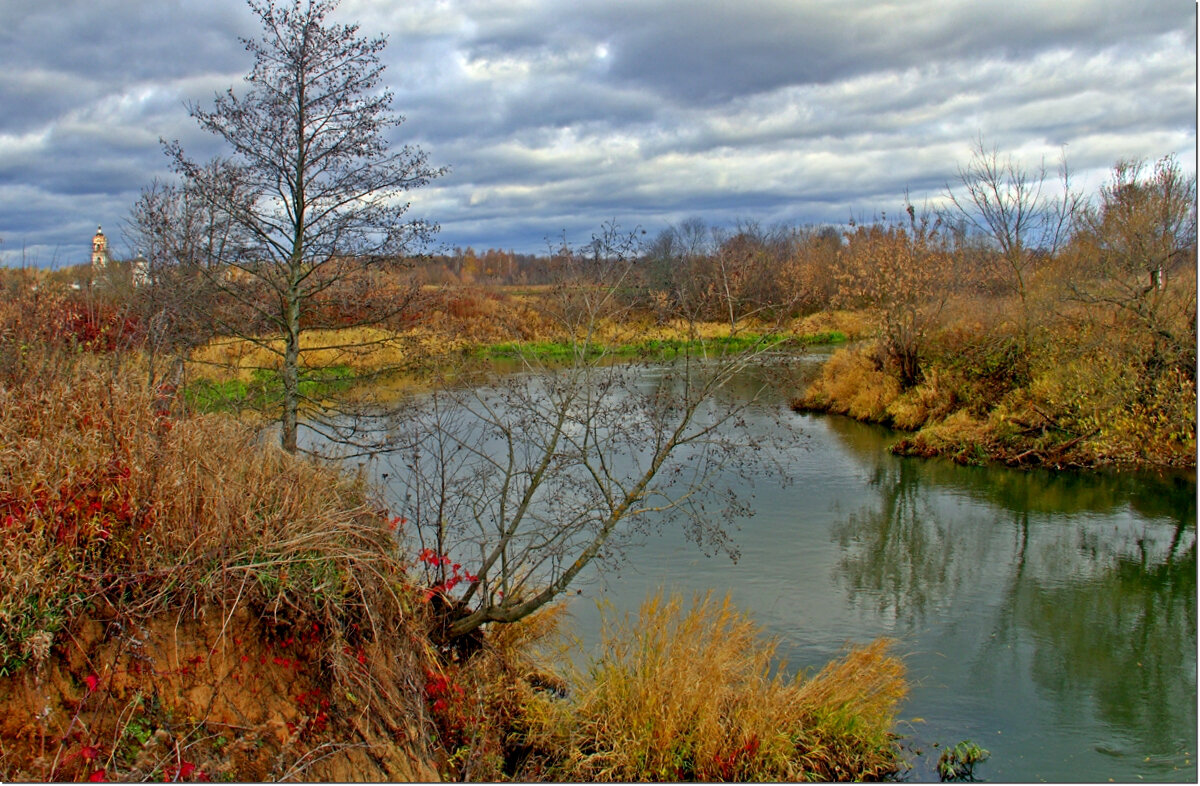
(1090,361)
(46,324)
(1083,398)
(903,273)
(852,382)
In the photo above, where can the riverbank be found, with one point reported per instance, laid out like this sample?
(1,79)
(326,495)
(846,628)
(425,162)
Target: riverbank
(241,375)
(183,600)
(1075,399)
(510,327)
(1080,398)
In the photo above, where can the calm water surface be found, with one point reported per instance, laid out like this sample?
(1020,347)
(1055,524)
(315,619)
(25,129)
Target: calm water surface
(1049,617)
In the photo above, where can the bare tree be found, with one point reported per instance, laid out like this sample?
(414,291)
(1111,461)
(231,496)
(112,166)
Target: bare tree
(712,274)
(1017,208)
(516,485)
(312,188)
(678,276)
(181,239)
(1136,252)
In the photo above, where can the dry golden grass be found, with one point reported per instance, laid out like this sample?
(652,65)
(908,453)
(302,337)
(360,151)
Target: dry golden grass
(962,436)
(110,499)
(363,349)
(929,401)
(853,324)
(672,330)
(441,335)
(851,383)
(453,321)
(116,504)
(697,694)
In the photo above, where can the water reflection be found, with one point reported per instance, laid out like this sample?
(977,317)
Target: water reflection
(897,552)
(1084,585)
(1125,641)
(1051,617)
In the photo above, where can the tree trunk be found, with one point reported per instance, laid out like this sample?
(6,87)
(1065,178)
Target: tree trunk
(291,375)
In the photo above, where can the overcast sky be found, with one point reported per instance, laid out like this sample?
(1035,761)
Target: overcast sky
(557,115)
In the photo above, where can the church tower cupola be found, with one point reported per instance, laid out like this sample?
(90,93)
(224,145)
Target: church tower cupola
(99,251)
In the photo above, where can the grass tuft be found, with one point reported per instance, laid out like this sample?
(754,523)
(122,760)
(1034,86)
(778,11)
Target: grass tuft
(697,694)
(852,383)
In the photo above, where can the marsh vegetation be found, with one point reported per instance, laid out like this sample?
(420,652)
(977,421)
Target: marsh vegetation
(303,455)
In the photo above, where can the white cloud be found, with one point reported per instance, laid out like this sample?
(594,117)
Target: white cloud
(561,115)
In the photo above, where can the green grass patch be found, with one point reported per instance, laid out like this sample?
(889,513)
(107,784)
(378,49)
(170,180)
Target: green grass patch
(560,351)
(823,337)
(265,389)
(543,350)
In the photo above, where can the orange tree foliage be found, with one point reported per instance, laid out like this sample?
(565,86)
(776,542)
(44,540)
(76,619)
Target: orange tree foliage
(905,273)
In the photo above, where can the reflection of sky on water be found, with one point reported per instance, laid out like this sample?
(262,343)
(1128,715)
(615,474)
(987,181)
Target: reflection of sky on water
(1049,617)
(1059,616)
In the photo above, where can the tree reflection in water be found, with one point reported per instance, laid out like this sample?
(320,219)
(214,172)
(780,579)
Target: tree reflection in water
(1085,584)
(1124,641)
(898,552)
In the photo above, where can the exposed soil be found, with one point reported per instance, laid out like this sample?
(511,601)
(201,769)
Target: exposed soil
(198,697)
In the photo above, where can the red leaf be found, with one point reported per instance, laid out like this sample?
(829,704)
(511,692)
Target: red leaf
(97,777)
(92,681)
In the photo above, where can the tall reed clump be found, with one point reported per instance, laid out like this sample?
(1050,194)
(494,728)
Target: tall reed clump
(697,694)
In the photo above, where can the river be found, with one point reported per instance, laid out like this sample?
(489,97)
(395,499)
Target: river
(1048,617)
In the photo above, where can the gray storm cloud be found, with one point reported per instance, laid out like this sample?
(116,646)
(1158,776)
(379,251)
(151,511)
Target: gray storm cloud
(559,116)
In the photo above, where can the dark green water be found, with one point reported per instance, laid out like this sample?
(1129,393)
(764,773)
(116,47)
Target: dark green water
(1049,617)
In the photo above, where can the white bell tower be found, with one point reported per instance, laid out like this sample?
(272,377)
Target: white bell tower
(100,257)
